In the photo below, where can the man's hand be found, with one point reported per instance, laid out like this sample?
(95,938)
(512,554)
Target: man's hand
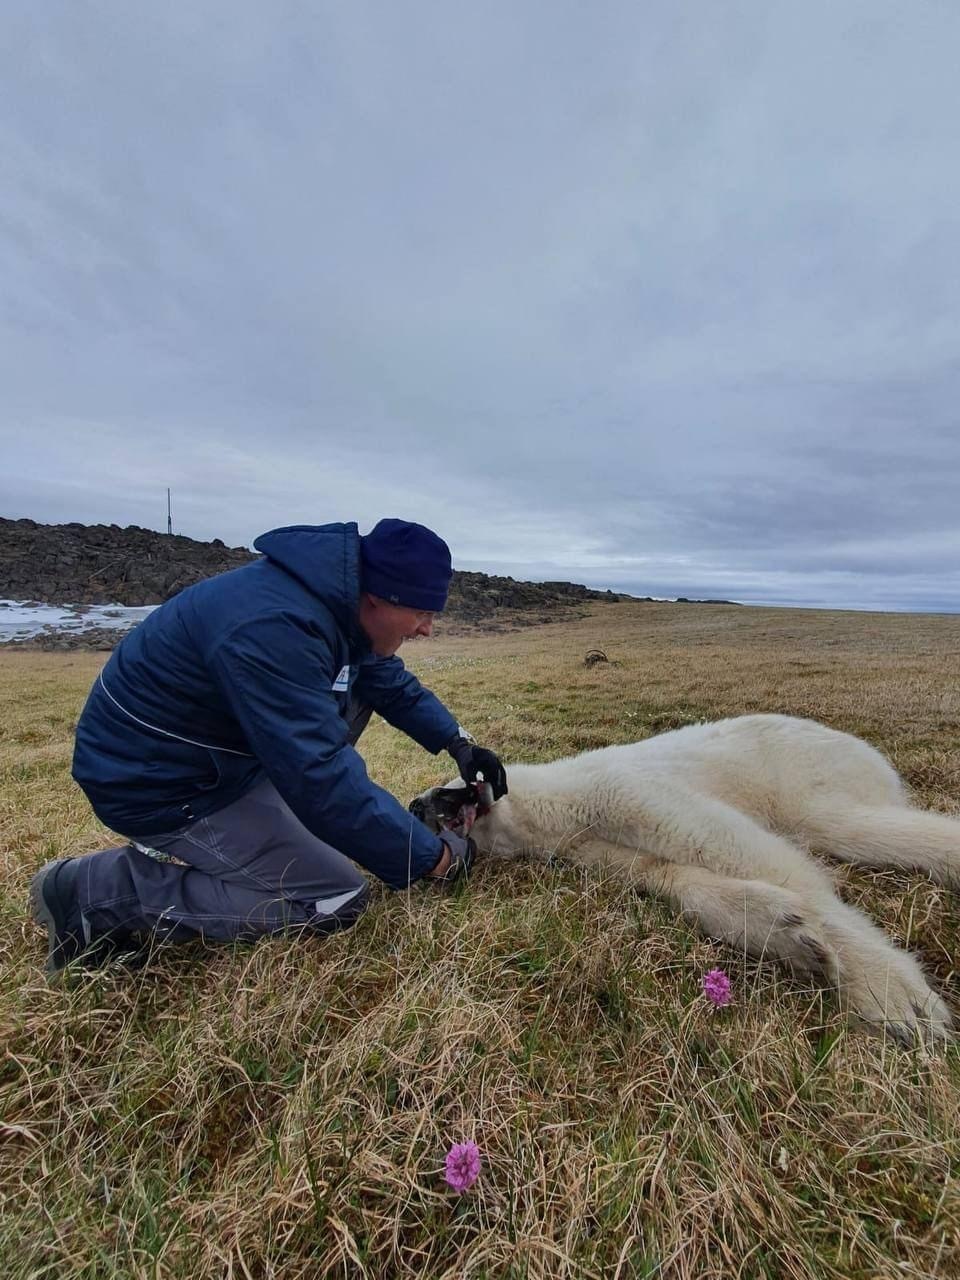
(458,855)
(473,761)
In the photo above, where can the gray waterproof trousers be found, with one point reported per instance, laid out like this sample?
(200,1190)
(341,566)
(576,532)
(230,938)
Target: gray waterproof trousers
(250,869)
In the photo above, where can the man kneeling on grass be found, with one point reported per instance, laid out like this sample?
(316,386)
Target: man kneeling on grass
(221,735)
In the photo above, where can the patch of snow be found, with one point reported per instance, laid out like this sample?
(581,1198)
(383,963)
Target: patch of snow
(20,620)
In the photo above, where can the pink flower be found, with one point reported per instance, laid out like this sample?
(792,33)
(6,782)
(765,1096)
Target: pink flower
(716,987)
(463,1165)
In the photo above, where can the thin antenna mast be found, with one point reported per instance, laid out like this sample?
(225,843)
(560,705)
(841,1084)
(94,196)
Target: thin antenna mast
(169,516)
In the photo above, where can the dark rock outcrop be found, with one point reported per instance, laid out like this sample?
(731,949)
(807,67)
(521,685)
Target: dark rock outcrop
(80,564)
(104,563)
(477,596)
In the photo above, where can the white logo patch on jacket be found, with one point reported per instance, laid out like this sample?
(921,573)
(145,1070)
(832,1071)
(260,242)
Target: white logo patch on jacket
(342,681)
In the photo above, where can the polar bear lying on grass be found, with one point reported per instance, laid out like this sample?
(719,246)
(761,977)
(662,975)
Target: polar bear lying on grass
(719,819)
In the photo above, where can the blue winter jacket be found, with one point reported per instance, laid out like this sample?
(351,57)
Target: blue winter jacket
(250,672)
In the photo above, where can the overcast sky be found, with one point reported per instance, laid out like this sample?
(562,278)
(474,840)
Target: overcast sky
(663,297)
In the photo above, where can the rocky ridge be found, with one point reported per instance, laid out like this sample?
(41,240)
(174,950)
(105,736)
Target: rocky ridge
(79,564)
(104,563)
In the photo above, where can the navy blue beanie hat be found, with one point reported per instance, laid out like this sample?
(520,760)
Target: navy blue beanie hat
(406,564)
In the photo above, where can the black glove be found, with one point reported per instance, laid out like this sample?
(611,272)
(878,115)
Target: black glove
(462,853)
(472,760)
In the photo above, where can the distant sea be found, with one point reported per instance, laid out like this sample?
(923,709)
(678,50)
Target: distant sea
(21,621)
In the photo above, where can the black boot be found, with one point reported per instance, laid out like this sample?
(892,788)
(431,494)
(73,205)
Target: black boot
(53,904)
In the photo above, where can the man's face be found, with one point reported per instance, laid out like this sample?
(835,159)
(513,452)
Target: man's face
(388,625)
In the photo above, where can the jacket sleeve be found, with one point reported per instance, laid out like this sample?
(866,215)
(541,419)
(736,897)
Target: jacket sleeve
(386,685)
(276,674)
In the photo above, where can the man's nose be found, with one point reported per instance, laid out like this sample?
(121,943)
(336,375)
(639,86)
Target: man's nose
(425,627)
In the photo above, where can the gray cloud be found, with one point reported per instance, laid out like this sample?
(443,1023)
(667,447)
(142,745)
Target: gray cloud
(660,298)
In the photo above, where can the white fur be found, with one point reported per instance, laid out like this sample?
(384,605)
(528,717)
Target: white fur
(719,819)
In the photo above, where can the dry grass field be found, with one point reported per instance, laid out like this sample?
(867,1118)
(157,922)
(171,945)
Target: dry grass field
(283,1110)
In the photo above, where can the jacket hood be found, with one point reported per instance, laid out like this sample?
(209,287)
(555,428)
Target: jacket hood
(326,559)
